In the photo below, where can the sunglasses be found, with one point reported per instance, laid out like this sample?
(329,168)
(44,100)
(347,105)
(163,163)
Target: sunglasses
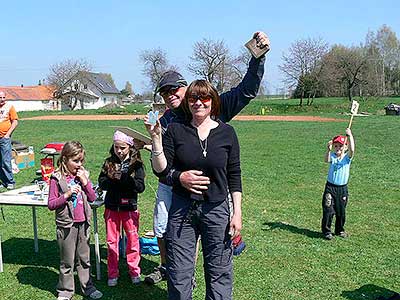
(203,99)
(168,92)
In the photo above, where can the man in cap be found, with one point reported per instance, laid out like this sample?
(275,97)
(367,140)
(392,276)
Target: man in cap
(8,122)
(172,88)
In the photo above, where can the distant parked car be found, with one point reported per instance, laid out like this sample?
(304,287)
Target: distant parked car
(393,109)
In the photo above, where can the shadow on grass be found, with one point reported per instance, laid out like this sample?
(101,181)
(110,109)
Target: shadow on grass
(370,292)
(20,251)
(36,270)
(38,277)
(292,228)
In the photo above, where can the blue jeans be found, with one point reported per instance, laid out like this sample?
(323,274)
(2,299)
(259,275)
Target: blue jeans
(6,175)
(160,214)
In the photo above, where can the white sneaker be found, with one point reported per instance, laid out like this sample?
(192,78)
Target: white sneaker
(112,281)
(136,279)
(96,295)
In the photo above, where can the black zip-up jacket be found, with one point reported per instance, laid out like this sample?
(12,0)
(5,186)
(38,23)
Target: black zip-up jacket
(122,194)
(232,102)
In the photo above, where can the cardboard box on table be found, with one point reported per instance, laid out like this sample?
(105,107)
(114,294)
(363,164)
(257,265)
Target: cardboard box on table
(24,159)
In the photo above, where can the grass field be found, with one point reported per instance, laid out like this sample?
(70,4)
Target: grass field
(283,179)
(321,106)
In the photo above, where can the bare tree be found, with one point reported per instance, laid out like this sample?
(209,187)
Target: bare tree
(212,61)
(155,65)
(60,73)
(303,65)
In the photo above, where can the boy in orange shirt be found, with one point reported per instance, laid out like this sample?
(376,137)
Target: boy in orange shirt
(8,122)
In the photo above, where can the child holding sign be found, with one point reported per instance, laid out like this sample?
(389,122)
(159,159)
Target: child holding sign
(339,154)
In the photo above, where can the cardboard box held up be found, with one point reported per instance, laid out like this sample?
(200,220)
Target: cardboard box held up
(24,159)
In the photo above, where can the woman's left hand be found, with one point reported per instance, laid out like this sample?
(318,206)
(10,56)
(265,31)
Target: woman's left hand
(235,225)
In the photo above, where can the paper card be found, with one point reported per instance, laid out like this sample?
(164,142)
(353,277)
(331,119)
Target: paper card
(354,107)
(255,50)
(153,117)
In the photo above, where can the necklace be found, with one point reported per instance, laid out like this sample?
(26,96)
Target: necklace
(204,148)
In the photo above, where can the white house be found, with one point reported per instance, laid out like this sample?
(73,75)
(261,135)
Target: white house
(89,90)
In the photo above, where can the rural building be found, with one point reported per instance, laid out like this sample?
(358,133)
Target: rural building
(89,91)
(24,98)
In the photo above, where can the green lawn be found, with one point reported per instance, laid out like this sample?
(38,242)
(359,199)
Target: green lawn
(321,107)
(283,179)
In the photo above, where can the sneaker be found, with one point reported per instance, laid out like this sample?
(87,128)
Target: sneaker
(158,275)
(10,186)
(194,283)
(342,234)
(136,279)
(112,281)
(96,295)
(328,236)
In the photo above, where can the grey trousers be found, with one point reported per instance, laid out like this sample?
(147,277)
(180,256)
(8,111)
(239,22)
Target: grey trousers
(185,223)
(74,251)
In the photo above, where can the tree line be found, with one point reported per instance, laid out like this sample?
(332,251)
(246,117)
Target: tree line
(312,68)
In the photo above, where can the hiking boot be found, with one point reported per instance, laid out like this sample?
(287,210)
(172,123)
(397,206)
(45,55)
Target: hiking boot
(328,236)
(194,283)
(112,281)
(342,234)
(159,274)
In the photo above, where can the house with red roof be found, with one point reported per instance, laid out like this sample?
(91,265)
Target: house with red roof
(38,97)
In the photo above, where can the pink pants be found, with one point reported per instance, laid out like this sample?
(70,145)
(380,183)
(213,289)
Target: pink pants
(130,223)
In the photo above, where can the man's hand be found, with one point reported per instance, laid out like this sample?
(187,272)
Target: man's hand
(262,39)
(194,182)
(235,225)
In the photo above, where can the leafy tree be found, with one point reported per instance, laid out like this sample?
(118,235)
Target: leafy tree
(384,49)
(346,67)
(127,90)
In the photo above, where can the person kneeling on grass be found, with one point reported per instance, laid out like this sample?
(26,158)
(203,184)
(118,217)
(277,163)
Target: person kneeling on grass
(334,200)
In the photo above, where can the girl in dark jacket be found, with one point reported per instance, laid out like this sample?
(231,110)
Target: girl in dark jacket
(122,176)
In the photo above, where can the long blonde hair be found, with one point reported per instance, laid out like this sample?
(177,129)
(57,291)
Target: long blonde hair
(70,149)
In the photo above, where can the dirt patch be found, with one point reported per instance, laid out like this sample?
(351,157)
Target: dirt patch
(138,117)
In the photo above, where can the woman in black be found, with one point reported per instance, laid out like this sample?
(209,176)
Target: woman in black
(206,144)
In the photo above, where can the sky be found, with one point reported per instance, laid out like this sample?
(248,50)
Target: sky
(112,34)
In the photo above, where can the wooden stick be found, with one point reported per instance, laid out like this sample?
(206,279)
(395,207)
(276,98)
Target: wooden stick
(351,121)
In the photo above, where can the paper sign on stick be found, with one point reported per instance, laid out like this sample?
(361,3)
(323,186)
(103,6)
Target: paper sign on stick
(354,107)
